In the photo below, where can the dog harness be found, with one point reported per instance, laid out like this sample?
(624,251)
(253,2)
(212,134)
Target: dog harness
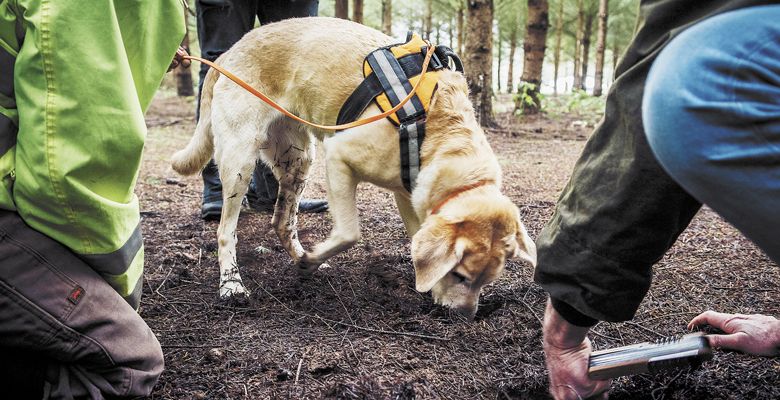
(390,73)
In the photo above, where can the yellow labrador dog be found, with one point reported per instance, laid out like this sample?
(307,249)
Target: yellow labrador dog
(310,66)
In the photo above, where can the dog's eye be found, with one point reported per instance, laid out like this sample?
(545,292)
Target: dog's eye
(460,277)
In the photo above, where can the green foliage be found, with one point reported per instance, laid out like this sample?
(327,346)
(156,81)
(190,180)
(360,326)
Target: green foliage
(579,104)
(528,97)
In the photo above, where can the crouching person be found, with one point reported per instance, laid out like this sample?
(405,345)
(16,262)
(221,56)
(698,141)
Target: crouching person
(75,79)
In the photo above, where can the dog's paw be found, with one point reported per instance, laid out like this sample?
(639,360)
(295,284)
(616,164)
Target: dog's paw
(233,290)
(305,267)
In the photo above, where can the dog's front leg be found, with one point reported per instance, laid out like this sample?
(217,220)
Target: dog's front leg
(408,215)
(341,203)
(291,164)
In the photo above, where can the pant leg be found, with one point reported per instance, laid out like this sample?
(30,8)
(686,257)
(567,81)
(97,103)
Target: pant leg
(712,117)
(620,212)
(265,185)
(277,10)
(221,23)
(56,309)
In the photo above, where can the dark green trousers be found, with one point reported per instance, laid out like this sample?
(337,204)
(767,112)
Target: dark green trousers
(620,212)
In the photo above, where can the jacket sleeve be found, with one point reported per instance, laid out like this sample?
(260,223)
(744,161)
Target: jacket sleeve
(620,212)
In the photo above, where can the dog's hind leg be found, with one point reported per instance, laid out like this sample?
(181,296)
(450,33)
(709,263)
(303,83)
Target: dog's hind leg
(236,163)
(342,185)
(290,155)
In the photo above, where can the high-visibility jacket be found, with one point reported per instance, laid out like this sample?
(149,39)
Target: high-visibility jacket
(76,77)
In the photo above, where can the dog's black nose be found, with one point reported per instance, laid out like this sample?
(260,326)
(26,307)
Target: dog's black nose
(462,313)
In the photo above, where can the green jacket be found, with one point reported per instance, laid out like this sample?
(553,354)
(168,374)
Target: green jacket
(76,78)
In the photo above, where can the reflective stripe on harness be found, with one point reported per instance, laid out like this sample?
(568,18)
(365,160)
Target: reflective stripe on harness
(389,74)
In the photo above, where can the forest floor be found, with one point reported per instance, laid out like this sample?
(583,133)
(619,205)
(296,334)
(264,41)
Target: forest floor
(359,330)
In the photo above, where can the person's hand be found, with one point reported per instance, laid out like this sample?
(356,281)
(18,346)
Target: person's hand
(178,59)
(566,352)
(753,334)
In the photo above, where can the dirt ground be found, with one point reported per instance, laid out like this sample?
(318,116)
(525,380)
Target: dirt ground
(359,330)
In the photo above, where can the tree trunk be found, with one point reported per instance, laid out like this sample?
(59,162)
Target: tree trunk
(357,11)
(184,74)
(451,32)
(510,84)
(615,58)
(498,60)
(601,46)
(428,19)
(461,30)
(586,49)
(479,58)
(534,47)
(387,17)
(578,45)
(342,9)
(558,37)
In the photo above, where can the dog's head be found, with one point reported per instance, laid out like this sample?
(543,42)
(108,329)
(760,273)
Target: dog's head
(459,251)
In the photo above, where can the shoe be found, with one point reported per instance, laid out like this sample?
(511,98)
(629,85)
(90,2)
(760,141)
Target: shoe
(305,205)
(312,206)
(211,208)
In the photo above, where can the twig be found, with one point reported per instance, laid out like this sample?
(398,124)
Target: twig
(163,281)
(187,346)
(340,302)
(298,371)
(532,312)
(358,327)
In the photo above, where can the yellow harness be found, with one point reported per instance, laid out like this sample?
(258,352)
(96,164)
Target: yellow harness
(390,74)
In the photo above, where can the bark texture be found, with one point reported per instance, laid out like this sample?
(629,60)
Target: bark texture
(357,11)
(184,85)
(601,47)
(342,9)
(534,47)
(479,58)
(558,38)
(387,17)
(510,77)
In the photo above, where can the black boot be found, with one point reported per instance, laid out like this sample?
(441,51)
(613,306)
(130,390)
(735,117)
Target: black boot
(212,193)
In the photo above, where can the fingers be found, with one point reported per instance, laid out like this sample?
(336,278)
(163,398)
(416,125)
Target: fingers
(178,59)
(738,341)
(712,318)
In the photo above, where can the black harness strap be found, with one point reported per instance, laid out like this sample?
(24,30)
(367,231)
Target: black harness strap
(410,64)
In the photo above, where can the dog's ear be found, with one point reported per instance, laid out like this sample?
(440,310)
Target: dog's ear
(520,244)
(435,251)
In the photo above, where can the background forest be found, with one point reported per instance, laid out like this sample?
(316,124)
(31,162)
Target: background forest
(527,48)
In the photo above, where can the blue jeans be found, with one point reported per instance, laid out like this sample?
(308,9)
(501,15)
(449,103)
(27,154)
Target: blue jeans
(711,111)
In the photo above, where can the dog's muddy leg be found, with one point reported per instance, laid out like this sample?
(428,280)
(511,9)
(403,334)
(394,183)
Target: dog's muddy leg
(235,176)
(291,162)
(341,203)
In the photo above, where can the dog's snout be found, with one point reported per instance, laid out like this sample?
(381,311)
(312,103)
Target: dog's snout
(463,313)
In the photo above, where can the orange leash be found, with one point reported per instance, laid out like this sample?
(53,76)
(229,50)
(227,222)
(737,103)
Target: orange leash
(281,109)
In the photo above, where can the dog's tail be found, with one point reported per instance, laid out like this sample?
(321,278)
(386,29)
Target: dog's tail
(199,150)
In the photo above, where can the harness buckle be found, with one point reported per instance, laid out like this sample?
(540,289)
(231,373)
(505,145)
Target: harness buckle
(412,118)
(436,63)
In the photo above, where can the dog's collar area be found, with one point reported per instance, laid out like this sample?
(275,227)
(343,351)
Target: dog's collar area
(389,75)
(459,191)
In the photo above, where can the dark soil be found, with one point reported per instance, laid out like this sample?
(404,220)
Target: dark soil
(359,330)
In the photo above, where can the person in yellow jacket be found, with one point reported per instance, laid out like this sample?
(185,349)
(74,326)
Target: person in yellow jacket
(75,79)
